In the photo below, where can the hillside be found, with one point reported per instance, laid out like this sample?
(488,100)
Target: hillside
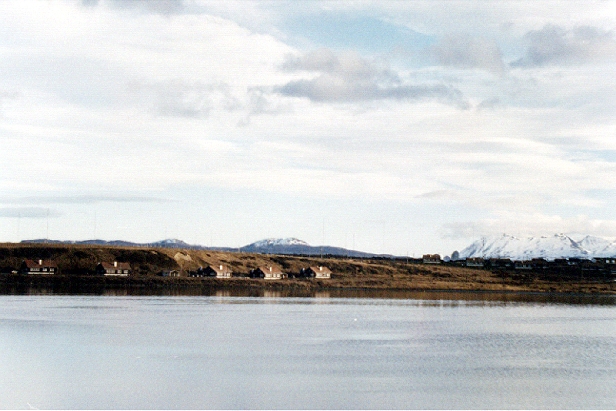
(76,264)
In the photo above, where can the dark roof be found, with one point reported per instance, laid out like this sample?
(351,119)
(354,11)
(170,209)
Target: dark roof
(269,269)
(219,268)
(35,263)
(321,269)
(121,266)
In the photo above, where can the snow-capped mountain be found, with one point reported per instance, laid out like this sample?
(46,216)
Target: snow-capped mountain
(171,243)
(273,242)
(296,246)
(598,247)
(548,247)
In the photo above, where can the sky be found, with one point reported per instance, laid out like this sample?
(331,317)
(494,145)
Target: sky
(385,126)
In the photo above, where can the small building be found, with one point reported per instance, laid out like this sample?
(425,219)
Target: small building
(38,267)
(500,263)
(267,273)
(319,272)
(476,262)
(606,261)
(115,268)
(539,263)
(523,265)
(431,259)
(559,264)
(609,264)
(218,271)
(170,273)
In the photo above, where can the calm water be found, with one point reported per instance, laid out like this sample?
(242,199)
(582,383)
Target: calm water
(268,352)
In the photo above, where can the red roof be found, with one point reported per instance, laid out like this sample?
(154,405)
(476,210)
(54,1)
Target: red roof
(321,269)
(37,263)
(269,269)
(120,266)
(220,268)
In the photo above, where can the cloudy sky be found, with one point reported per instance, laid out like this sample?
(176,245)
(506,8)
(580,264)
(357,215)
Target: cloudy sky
(399,127)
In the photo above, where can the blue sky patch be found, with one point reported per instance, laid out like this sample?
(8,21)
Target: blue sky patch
(362,33)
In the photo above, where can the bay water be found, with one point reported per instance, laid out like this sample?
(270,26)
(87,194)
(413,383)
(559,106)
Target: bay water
(233,352)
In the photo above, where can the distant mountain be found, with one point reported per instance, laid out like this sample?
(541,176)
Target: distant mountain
(267,246)
(296,246)
(275,242)
(169,243)
(548,247)
(598,247)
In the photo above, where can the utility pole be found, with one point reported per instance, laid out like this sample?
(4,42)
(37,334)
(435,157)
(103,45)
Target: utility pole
(323,242)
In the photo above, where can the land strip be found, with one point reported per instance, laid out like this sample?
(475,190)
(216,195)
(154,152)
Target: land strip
(76,273)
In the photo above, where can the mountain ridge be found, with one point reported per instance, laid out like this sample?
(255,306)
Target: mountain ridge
(290,245)
(547,247)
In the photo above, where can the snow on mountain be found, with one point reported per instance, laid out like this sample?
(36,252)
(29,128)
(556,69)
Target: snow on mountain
(295,246)
(271,242)
(548,247)
(173,242)
(598,247)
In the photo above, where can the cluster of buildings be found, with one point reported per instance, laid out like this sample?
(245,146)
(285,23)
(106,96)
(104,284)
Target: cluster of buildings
(268,272)
(606,266)
(596,266)
(50,267)
(215,270)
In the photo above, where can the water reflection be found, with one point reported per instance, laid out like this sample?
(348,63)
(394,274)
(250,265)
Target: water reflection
(272,294)
(440,298)
(223,293)
(322,294)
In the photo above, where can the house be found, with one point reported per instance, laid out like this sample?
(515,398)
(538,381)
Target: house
(115,268)
(267,273)
(218,271)
(609,264)
(606,261)
(477,262)
(539,263)
(170,273)
(319,272)
(38,267)
(500,263)
(522,265)
(431,259)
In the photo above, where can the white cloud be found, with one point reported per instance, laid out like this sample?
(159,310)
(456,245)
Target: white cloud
(463,51)
(28,212)
(557,45)
(351,78)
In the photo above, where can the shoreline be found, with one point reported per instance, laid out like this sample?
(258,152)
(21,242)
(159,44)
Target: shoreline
(144,285)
